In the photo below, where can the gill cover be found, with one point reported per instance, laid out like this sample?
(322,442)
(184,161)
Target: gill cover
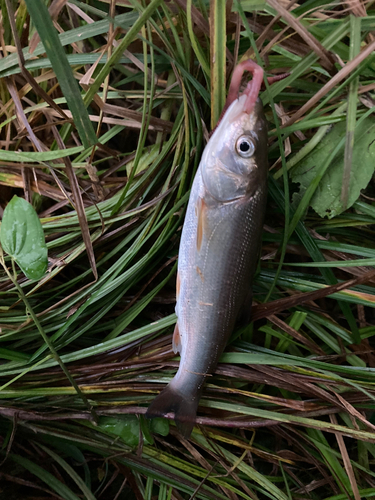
(231,158)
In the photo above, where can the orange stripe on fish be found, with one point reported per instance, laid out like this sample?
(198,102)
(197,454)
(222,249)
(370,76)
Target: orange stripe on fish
(200,209)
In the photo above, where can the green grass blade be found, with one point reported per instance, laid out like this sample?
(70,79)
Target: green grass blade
(196,46)
(121,47)
(49,479)
(69,86)
(71,472)
(218,59)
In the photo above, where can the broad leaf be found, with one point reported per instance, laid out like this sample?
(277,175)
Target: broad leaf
(327,198)
(128,427)
(22,237)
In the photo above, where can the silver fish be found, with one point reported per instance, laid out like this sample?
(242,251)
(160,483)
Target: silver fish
(219,247)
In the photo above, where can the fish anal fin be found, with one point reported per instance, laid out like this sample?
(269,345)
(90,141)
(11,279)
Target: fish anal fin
(176,340)
(244,315)
(184,409)
(200,209)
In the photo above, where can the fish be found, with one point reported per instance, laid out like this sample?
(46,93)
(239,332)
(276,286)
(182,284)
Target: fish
(219,247)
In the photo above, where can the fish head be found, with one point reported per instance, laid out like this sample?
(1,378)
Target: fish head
(234,162)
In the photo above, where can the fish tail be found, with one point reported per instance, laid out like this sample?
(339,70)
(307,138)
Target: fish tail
(184,409)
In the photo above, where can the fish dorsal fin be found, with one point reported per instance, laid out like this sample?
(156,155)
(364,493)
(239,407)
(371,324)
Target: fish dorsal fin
(176,341)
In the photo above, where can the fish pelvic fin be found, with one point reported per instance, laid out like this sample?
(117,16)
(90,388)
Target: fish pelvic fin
(184,408)
(176,340)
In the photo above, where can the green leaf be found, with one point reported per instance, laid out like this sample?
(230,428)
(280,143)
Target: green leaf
(125,426)
(40,16)
(22,237)
(326,200)
(128,427)
(160,426)
(146,429)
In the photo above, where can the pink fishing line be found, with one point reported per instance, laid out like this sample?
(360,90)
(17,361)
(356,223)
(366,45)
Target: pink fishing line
(253,87)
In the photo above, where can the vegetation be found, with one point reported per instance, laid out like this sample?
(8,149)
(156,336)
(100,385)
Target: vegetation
(105,110)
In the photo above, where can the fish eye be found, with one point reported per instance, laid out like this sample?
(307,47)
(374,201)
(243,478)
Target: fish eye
(245,146)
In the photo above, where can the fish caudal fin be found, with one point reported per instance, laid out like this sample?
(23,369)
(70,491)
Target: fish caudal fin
(184,409)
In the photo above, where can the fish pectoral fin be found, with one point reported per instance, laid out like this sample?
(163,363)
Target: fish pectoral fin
(176,340)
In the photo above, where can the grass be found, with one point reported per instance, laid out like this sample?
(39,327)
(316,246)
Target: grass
(102,128)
